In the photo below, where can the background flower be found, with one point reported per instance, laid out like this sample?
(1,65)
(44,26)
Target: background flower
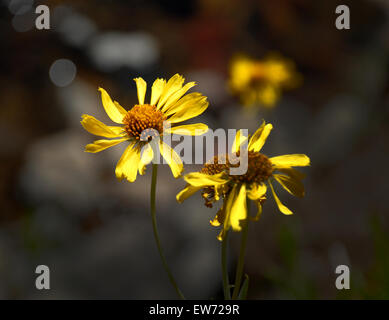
(257,81)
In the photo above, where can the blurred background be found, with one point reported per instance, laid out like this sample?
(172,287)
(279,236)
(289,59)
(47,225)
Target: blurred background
(65,209)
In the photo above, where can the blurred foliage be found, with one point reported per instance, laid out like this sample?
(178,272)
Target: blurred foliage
(377,278)
(286,276)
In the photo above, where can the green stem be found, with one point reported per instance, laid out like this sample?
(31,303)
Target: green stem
(226,282)
(239,270)
(155,230)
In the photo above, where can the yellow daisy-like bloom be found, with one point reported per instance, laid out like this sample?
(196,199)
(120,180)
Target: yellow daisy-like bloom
(216,182)
(168,105)
(261,80)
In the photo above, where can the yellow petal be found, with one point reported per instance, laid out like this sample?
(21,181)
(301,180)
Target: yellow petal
(141,87)
(268,95)
(172,86)
(240,73)
(190,109)
(221,235)
(218,191)
(293,186)
(219,218)
(187,101)
(195,129)
(177,95)
(259,211)
(147,155)
(239,139)
(259,137)
(239,209)
(257,133)
(113,110)
(127,166)
(227,211)
(186,193)
(96,127)
(256,191)
(100,145)
(282,208)
(278,71)
(198,179)
(293,173)
(290,160)
(156,90)
(172,158)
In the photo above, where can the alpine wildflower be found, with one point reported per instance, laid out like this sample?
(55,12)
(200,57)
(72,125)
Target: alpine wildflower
(261,81)
(216,182)
(144,121)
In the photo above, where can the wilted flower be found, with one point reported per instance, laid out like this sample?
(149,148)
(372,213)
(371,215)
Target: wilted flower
(216,181)
(261,81)
(168,106)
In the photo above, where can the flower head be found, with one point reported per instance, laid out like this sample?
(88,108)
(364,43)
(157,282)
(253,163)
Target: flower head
(261,80)
(216,181)
(169,105)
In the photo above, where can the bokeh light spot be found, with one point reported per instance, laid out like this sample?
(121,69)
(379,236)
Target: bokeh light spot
(19,7)
(62,72)
(23,22)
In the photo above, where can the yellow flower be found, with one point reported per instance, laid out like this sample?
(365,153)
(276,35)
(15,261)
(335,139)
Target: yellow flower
(168,104)
(261,80)
(216,181)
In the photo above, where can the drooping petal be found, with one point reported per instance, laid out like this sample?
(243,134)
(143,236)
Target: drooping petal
(239,139)
(141,87)
(156,90)
(256,191)
(100,145)
(113,110)
(219,218)
(96,127)
(198,179)
(172,158)
(221,235)
(195,129)
(177,95)
(290,160)
(293,186)
(293,173)
(281,207)
(218,191)
(259,211)
(259,137)
(172,86)
(239,209)
(229,201)
(127,166)
(186,193)
(147,155)
(189,110)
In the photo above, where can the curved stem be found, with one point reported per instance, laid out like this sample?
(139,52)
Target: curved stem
(239,270)
(226,282)
(155,230)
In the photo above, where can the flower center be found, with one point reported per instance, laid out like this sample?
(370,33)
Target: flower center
(259,169)
(258,72)
(144,122)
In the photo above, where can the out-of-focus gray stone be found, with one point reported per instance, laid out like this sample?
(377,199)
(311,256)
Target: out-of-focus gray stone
(112,50)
